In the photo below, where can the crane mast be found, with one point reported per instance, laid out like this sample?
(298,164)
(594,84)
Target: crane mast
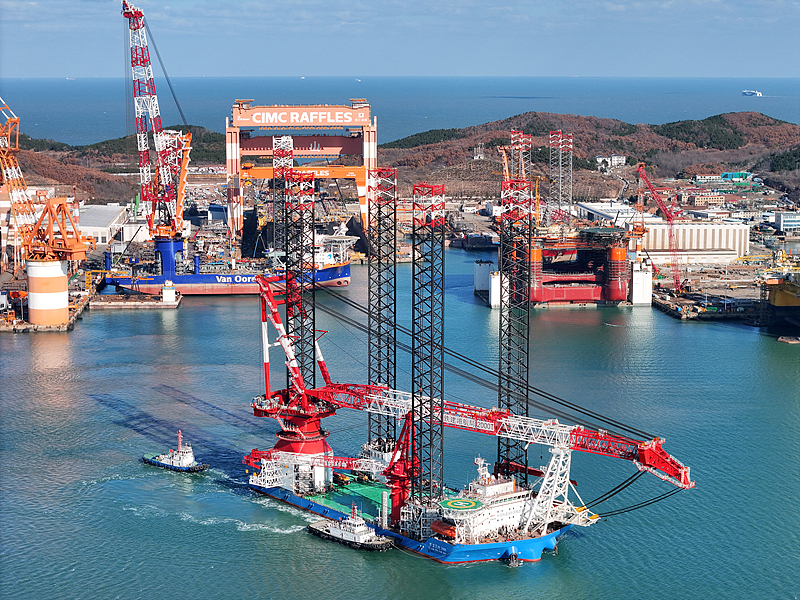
(669,215)
(163,188)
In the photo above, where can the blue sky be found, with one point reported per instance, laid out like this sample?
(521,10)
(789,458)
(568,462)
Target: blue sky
(668,38)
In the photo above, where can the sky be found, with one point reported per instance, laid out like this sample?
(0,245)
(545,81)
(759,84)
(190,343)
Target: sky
(611,38)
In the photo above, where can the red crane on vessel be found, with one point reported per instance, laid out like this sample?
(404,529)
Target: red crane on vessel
(164,188)
(669,214)
(300,411)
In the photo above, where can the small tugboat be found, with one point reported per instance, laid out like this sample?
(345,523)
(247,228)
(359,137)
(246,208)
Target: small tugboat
(351,531)
(181,459)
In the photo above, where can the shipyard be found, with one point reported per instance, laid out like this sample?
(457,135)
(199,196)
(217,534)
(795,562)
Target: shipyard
(285,353)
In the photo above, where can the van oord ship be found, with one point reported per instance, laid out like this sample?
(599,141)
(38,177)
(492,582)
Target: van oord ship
(331,269)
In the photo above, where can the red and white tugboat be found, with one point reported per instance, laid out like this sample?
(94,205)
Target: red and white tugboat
(181,459)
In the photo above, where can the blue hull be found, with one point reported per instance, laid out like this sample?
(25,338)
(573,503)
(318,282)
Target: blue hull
(529,550)
(221,283)
(196,283)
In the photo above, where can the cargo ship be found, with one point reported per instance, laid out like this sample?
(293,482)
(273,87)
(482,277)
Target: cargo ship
(331,269)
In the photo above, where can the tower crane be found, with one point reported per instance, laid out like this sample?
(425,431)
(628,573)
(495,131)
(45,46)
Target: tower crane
(669,214)
(299,412)
(43,244)
(163,188)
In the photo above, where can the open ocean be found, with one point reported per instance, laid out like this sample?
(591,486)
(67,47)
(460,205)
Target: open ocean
(82,517)
(89,110)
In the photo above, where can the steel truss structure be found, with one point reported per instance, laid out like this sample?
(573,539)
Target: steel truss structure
(382,294)
(521,144)
(23,213)
(560,200)
(282,162)
(300,307)
(516,225)
(427,339)
(162,190)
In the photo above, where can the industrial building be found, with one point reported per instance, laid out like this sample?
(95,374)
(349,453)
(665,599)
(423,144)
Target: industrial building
(102,222)
(788,222)
(697,242)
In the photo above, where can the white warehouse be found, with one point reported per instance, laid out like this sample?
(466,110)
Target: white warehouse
(697,242)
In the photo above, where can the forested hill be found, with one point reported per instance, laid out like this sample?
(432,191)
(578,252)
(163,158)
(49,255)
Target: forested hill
(748,133)
(733,141)
(208,147)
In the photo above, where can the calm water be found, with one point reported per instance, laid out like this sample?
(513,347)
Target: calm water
(82,517)
(88,110)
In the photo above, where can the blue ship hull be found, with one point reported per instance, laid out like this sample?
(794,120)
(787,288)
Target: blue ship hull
(528,550)
(234,282)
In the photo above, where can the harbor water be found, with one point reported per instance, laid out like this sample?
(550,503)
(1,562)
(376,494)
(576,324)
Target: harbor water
(83,517)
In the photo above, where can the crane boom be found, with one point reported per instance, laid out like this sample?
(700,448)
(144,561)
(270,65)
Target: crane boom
(325,400)
(669,215)
(164,188)
(53,235)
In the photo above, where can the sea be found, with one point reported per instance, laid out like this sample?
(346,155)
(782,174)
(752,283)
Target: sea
(87,110)
(82,517)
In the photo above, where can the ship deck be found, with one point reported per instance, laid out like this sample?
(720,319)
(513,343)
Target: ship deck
(367,497)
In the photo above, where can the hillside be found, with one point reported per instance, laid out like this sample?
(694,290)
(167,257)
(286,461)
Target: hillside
(733,141)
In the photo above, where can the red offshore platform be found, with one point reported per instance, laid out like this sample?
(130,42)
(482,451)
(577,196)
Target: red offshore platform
(569,263)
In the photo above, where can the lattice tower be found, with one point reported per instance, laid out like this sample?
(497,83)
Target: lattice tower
(382,293)
(521,145)
(282,163)
(300,270)
(22,225)
(565,204)
(516,225)
(427,339)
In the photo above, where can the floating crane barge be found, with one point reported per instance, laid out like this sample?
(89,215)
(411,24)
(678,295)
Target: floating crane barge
(495,518)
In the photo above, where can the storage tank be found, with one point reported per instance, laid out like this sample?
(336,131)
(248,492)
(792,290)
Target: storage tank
(48,300)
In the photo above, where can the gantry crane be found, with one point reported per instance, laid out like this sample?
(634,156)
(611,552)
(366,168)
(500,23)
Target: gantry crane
(53,235)
(164,188)
(669,214)
(299,412)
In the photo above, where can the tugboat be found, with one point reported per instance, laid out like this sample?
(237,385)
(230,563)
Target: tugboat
(181,459)
(351,531)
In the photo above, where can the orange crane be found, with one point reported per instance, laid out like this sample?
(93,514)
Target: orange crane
(53,235)
(669,214)
(44,245)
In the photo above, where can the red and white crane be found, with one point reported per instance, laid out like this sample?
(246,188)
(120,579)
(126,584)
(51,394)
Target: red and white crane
(670,212)
(163,189)
(299,411)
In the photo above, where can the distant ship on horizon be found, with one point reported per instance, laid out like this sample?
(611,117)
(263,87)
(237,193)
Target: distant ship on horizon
(750,93)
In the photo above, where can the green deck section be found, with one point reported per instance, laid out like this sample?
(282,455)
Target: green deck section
(367,497)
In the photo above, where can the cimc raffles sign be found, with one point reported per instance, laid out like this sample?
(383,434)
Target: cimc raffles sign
(300,116)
